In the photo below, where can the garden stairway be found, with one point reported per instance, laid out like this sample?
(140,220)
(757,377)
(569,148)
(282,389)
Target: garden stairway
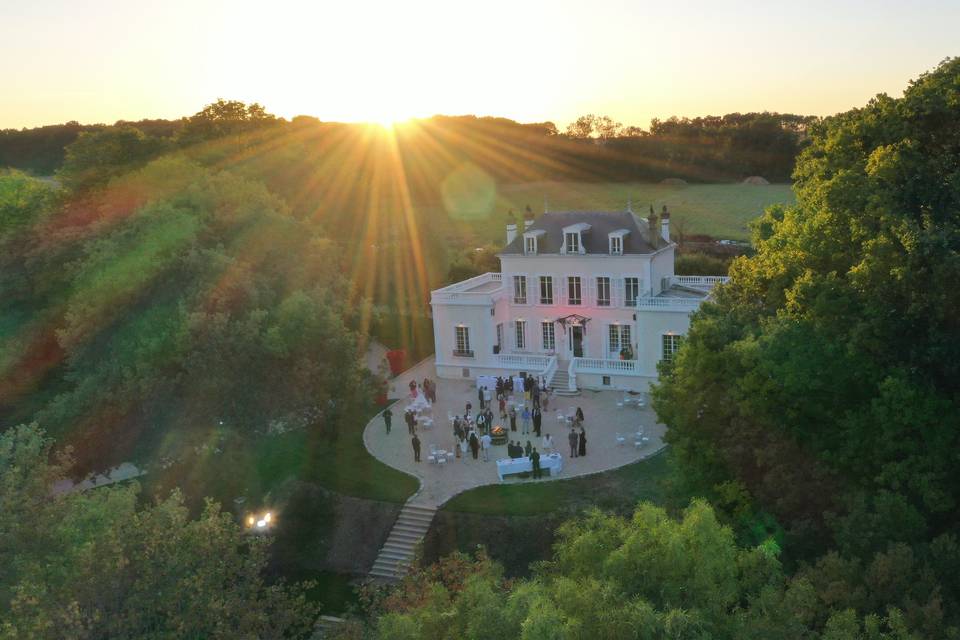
(397,552)
(560,383)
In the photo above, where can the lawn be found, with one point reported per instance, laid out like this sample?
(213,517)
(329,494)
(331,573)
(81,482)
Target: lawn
(258,468)
(617,490)
(718,210)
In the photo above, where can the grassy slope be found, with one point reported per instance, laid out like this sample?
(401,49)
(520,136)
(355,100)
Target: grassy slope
(617,490)
(719,210)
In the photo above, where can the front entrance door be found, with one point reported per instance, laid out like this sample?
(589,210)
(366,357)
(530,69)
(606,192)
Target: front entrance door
(576,341)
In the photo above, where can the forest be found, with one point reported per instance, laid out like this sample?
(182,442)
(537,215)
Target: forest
(228,270)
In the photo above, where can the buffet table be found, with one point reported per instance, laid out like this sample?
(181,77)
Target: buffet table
(507,466)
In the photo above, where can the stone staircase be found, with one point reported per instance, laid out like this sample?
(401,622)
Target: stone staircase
(397,552)
(327,626)
(560,385)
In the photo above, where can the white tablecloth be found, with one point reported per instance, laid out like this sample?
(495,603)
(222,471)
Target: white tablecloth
(490,382)
(420,403)
(552,462)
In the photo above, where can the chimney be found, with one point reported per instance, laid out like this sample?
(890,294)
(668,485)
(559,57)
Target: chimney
(665,225)
(652,229)
(511,232)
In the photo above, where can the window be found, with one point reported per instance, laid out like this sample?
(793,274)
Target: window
(631,290)
(462,342)
(521,334)
(546,289)
(574,293)
(529,244)
(572,242)
(499,338)
(549,337)
(671,344)
(619,340)
(519,289)
(603,292)
(606,381)
(616,245)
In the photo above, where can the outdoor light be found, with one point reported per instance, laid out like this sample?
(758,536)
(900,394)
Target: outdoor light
(250,521)
(267,516)
(260,522)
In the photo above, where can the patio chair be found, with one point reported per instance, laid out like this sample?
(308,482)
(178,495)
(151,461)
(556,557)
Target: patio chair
(620,440)
(560,417)
(432,459)
(433,449)
(441,460)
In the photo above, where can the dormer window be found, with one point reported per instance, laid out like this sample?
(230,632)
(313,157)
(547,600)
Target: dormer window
(531,242)
(616,241)
(573,238)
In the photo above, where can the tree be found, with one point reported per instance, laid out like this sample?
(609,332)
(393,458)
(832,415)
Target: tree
(224,118)
(96,157)
(823,379)
(95,565)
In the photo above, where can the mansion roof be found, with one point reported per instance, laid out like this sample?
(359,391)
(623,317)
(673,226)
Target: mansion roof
(595,238)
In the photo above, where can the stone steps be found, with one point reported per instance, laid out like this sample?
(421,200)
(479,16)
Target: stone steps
(398,551)
(326,626)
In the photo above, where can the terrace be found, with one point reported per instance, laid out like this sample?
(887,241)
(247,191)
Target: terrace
(484,289)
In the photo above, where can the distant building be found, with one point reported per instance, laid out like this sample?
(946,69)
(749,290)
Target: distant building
(585,299)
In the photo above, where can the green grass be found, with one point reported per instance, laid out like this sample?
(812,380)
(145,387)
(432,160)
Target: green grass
(617,490)
(258,467)
(334,592)
(718,210)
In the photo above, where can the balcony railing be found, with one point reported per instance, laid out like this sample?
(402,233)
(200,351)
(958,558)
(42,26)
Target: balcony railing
(471,291)
(601,365)
(463,354)
(524,361)
(652,303)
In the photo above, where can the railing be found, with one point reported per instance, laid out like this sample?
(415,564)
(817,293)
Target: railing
(668,304)
(600,365)
(550,370)
(699,282)
(571,376)
(462,354)
(460,291)
(524,362)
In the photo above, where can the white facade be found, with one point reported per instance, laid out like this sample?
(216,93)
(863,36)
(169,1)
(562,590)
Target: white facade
(592,295)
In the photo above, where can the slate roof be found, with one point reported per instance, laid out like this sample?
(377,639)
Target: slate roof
(596,239)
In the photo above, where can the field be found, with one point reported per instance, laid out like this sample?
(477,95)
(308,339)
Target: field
(719,210)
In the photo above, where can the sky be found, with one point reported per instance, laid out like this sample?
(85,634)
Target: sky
(359,60)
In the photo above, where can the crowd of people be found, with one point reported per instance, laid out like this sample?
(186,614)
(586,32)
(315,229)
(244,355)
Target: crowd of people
(518,402)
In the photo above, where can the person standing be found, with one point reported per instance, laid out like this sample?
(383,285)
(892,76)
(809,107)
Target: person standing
(387,417)
(503,406)
(415,441)
(485,442)
(474,444)
(535,461)
(463,446)
(487,397)
(480,396)
(513,418)
(573,442)
(411,422)
(527,449)
(537,420)
(582,450)
(579,415)
(545,399)
(547,443)
(525,420)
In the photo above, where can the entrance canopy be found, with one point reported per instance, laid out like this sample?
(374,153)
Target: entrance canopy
(572,320)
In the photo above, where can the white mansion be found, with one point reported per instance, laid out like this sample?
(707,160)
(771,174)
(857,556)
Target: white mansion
(584,299)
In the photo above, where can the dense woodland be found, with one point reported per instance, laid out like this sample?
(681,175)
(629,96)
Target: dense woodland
(706,149)
(228,271)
